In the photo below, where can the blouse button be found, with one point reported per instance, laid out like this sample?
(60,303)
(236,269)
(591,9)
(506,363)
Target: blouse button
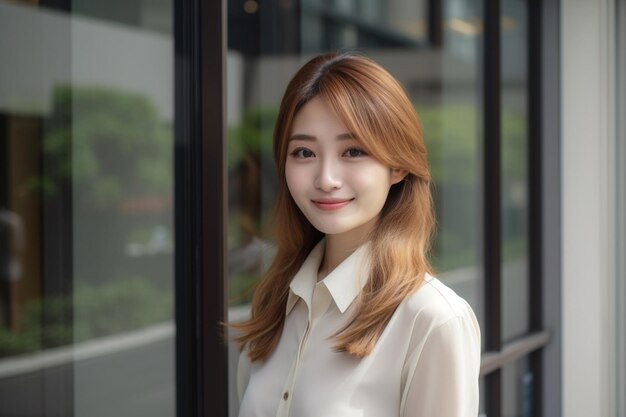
(285,396)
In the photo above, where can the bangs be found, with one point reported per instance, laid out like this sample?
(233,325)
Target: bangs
(363,114)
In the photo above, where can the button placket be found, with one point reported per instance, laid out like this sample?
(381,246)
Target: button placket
(285,404)
(319,304)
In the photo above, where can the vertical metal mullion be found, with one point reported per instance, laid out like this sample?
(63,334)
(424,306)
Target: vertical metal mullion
(200,186)
(5,312)
(551,233)
(492,197)
(57,228)
(185,241)
(435,23)
(214,353)
(57,249)
(535,174)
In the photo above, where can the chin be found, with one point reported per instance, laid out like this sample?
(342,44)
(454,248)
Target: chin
(332,230)
(329,229)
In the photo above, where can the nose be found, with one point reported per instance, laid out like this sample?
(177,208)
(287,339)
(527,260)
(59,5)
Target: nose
(328,175)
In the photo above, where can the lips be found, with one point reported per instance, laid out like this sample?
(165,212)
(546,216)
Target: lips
(330,204)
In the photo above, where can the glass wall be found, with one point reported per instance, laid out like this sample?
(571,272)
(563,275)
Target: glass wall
(86,208)
(87,194)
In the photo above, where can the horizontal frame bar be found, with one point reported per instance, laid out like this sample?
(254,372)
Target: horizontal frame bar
(493,361)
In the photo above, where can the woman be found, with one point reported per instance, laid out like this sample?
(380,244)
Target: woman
(348,320)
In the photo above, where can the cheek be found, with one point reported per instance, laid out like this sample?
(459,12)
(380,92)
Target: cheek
(294,180)
(376,181)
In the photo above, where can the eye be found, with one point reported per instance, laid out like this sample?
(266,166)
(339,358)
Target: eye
(302,153)
(354,152)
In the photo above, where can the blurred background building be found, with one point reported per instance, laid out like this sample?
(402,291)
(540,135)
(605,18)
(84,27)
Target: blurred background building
(136,185)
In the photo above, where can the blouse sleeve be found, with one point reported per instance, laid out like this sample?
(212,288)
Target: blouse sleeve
(443,376)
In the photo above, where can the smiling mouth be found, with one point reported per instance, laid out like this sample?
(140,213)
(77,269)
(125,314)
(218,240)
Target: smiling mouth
(330,205)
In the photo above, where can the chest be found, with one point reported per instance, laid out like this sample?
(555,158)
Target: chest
(305,376)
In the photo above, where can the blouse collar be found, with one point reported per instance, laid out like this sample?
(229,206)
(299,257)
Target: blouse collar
(343,283)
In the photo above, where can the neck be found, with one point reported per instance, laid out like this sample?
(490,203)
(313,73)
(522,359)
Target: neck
(339,247)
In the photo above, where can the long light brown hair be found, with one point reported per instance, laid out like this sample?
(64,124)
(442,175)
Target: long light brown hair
(376,110)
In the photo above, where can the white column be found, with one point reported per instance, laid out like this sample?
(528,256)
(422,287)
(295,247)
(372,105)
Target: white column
(588,317)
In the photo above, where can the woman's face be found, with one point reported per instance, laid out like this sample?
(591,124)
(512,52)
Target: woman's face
(337,185)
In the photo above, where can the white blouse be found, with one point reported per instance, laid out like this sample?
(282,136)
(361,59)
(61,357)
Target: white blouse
(425,363)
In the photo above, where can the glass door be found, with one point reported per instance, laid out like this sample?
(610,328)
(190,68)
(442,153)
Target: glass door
(86,208)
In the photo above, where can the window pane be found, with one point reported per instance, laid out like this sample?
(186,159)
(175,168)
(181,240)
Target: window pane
(436,59)
(514,169)
(452,120)
(86,213)
(517,389)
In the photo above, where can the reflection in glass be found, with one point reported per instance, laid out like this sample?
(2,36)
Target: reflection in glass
(86,210)
(517,389)
(514,186)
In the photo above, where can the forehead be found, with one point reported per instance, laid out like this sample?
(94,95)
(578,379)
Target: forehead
(317,118)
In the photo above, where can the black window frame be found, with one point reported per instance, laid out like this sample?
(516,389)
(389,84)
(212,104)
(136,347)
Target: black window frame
(200,207)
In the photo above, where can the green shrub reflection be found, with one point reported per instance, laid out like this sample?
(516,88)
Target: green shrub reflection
(118,306)
(108,159)
(110,143)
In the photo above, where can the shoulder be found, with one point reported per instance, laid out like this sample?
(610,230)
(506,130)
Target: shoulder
(443,353)
(441,319)
(434,305)
(435,302)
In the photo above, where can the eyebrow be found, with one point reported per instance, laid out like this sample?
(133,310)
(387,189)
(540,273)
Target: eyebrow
(302,136)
